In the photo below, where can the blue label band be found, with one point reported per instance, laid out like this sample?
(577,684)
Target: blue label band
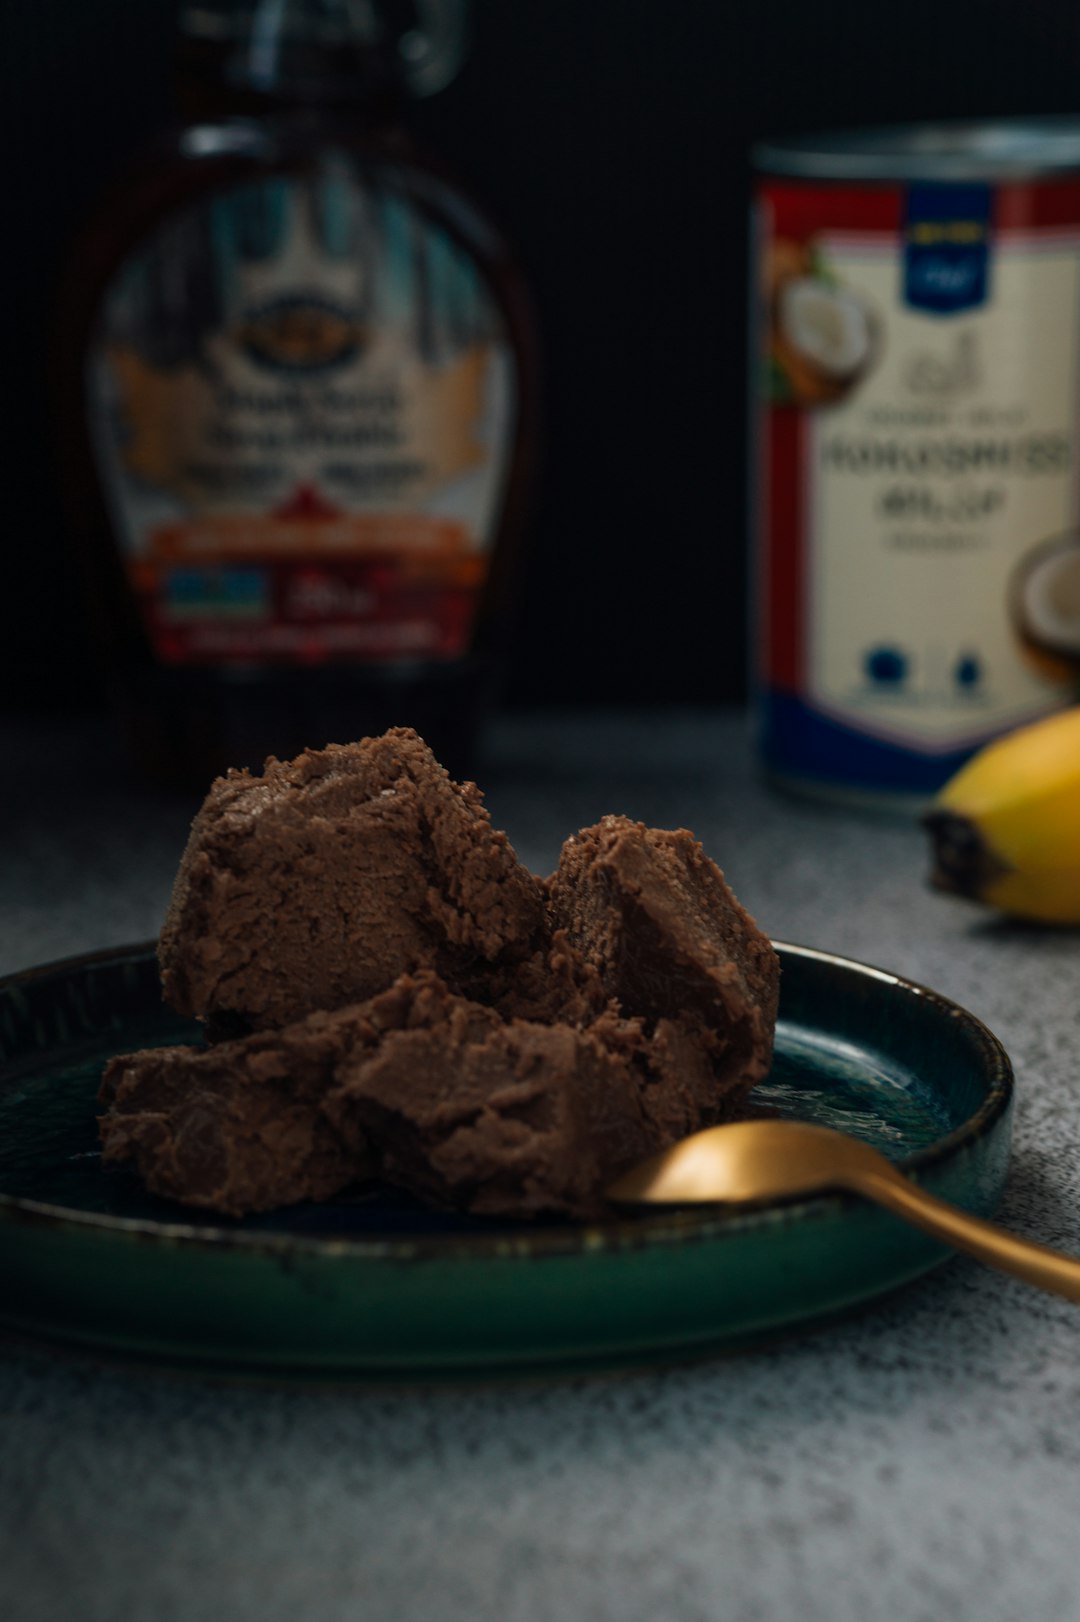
(947,248)
(797,741)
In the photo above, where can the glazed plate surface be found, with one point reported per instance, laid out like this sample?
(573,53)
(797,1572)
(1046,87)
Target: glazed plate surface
(374,1287)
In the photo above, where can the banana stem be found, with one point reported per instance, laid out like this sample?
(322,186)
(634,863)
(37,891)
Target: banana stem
(964,863)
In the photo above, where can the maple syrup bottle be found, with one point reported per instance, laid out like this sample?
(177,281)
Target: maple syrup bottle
(302,421)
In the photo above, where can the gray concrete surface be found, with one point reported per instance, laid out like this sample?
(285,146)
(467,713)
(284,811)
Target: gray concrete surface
(918,1464)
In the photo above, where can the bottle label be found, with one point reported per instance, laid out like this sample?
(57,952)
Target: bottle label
(303,399)
(920,442)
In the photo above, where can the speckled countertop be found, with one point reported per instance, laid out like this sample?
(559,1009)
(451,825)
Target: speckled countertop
(917,1464)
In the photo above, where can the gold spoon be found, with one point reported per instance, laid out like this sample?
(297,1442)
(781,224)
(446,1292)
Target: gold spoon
(766,1160)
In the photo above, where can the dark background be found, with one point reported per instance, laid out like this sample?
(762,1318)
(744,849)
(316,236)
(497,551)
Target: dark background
(609,137)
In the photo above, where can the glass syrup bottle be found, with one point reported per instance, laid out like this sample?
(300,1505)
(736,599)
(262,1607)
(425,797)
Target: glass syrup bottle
(298,402)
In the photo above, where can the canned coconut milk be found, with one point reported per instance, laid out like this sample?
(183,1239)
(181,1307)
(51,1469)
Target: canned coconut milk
(917,472)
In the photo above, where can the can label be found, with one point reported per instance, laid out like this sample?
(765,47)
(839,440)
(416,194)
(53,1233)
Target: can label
(303,399)
(918,473)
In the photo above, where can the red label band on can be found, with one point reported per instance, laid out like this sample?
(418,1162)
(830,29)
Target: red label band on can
(916,448)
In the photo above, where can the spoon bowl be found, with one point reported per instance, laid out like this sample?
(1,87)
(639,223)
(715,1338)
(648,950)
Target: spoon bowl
(748,1160)
(782,1160)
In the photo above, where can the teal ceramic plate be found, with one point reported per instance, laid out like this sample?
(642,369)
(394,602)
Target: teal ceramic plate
(378,1288)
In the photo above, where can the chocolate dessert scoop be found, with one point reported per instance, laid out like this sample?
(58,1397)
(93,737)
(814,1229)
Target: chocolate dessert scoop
(318,883)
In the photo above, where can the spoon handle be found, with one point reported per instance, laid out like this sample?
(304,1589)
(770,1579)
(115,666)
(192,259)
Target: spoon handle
(1035,1264)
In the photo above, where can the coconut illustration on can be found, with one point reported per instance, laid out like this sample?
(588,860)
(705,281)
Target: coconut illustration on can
(1045,605)
(822,334)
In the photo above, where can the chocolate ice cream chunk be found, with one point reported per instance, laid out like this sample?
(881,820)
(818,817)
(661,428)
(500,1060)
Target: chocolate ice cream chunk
(499,1118)
(423,1088)
(555,985)
(241,1126)
(237,1127)
(654,917)
(685,1081)
(318,883)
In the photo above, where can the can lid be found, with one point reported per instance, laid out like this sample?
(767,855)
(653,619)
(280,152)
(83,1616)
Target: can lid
(1004,149)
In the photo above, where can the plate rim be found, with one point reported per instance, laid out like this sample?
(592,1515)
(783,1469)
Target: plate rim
(684,1226)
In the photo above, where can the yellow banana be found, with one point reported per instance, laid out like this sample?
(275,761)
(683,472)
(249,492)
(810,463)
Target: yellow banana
(1006,828)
